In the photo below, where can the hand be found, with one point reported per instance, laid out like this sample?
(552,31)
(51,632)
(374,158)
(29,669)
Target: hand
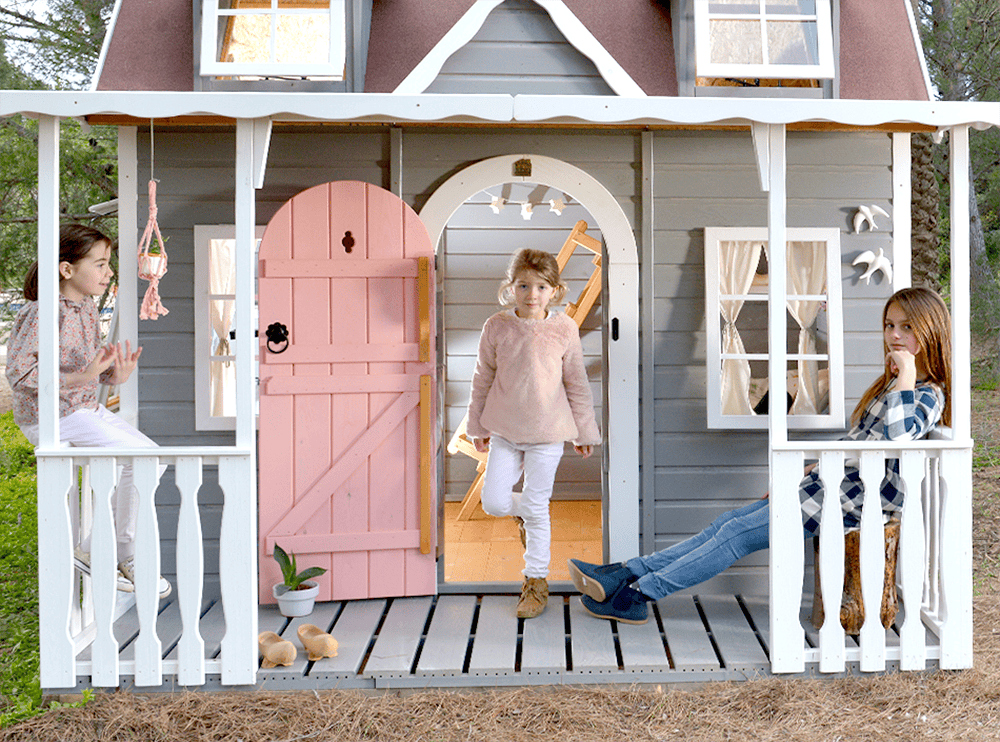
(584,451)
(482,444)
(125,362)
(903,365)
(104,360)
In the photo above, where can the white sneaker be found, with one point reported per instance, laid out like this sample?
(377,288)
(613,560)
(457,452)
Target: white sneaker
(126,569)
(81,560)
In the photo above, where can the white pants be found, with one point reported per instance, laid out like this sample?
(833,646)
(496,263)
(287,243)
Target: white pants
(538,462)
(103,429)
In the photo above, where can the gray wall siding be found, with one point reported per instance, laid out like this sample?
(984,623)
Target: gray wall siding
(519,50)
(701,179)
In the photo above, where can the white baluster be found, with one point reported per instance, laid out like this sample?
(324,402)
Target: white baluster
(956,559)
(787,563)
(931,493)
(55,572)
(872,549)
(85,527)
(831,562)
(148,651)
(238,570)
(911,563)
(104,571)
(190,573)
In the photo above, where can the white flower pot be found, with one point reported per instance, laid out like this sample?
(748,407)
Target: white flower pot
(150,265)
(294,603)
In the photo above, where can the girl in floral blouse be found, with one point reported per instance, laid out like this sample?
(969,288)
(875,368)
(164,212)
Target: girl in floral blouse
(84,363)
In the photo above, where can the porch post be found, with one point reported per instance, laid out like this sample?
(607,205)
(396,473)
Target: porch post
(786,563)
(956,465)
(902,198)
(128,226)
(238,537)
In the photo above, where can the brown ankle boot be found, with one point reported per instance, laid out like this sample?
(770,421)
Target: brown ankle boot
(534,596)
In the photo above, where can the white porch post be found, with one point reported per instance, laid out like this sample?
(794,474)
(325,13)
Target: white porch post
(128,239)
(902,198)
(786,562)
(238,538)
(55,571)
(956,516)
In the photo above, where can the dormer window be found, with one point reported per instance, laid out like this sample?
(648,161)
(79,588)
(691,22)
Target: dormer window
(254,39)
(763,40)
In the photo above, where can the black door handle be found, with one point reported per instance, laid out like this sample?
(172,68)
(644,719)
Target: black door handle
(277,333)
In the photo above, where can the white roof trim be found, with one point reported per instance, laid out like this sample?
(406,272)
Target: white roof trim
(459,35)
(600,110)
(920,50)
(108,33)
(565,20)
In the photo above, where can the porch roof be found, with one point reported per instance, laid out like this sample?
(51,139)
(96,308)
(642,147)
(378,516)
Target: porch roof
(610,111)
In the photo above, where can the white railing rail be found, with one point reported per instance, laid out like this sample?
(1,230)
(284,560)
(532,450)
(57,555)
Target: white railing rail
(934,566)
(75,615)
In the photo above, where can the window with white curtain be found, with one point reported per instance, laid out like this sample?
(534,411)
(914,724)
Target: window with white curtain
(215,331)
(772,39)
(736,306)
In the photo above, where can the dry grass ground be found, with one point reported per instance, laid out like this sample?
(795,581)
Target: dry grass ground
(961,705)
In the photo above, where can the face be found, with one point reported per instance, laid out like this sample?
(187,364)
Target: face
(88,276)
(532,295)
(898,332)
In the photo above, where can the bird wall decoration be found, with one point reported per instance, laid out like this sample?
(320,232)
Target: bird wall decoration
(867,214)
(874,263)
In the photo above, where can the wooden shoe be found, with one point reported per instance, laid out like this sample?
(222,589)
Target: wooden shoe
(534,597)
(317,642)
(275,650)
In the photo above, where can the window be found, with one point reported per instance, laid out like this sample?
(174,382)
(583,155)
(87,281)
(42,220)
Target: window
(215,334)
(770,39)
(736,293)
(251,39)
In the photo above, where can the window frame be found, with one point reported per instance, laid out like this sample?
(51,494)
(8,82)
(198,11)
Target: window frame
(835,417)
(203,234)
(824,69)
(210,66)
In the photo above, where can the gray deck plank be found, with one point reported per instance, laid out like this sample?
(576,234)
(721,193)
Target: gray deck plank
(168,629)
(353,631)
(211,625)
(397,642)
(735,639)
(592,645)
(690,647)
(543,645)
(444,650)
(642,646)
(495,645)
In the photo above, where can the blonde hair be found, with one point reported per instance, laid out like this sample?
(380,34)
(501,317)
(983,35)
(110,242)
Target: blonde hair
(928,315)
(538,262)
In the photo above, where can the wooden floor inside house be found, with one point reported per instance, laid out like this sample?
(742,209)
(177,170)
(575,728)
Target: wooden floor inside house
(488,549)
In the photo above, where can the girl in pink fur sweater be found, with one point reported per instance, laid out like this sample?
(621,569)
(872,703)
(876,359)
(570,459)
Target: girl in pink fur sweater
(530,394)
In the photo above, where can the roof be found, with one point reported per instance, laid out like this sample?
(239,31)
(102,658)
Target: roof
(151,44)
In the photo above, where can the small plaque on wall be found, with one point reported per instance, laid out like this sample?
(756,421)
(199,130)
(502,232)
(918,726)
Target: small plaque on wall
(522,168)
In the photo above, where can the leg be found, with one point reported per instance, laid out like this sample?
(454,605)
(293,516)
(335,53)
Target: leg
(540,464)
(730,538)
(503,469)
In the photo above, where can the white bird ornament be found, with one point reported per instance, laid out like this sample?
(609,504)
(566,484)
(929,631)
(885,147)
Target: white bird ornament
(867,214)
(874,263)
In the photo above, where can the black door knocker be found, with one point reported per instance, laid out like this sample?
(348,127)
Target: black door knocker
(277,333)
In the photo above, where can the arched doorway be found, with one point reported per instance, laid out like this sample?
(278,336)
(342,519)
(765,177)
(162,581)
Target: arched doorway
(621,434)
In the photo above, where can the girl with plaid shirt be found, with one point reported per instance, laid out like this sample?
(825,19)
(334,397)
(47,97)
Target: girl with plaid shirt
(905,403)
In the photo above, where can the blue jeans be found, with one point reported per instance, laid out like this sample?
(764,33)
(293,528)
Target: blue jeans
(731,536)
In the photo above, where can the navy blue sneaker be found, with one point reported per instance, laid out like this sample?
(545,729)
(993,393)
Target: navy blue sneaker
(626,605)
(599,581)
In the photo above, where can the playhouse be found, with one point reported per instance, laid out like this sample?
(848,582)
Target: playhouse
(341,183)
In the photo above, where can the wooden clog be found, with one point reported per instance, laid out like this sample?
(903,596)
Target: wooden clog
(318,643)
(275,650)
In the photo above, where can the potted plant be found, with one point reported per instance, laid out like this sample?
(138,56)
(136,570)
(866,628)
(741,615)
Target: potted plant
(151,262)
(297,594)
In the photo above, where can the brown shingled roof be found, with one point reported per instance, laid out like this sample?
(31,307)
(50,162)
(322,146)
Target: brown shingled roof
(878,54)
(152,47)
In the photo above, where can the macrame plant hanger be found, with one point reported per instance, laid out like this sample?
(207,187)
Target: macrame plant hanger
(152,258)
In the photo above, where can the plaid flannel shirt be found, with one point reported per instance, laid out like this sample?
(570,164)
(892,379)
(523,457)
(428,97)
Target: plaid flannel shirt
(892,416)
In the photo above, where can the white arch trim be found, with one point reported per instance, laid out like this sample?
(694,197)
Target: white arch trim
(621,438)
(468,25)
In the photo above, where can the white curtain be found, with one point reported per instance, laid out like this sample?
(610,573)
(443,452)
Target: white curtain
(737,265)
(222,280)
(806,275)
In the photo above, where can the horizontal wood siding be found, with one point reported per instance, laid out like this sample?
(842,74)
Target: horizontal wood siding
(519,50)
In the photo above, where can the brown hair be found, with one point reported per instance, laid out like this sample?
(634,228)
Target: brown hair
(535,261)
(928,315)
(75,241)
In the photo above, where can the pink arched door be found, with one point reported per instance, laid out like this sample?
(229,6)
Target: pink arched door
(347,423)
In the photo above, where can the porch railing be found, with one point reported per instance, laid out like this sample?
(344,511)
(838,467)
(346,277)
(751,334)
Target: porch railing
(934,564)
(74,614)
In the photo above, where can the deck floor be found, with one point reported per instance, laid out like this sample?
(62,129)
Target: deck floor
(469,640)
